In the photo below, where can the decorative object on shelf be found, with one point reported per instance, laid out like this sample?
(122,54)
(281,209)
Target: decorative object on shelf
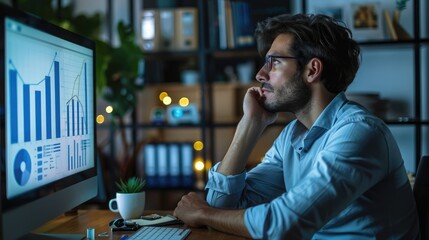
(395,30)
(177,114)
(130,199)
(389,24)
(400,31)
(189,77)
(157,116)
(365,21)
(364,18)
(246,72)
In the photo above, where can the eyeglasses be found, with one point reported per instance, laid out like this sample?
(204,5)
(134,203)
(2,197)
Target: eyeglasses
(269,61)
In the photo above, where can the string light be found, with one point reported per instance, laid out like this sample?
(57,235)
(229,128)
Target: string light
(199,164)
(198,145)
(184,101)
(100,119)
(162,95)
(109,109)
(166,100)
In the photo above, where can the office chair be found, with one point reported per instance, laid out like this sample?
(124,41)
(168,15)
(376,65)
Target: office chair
(421,194)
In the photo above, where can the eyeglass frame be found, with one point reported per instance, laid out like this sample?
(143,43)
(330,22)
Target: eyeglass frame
(268,65)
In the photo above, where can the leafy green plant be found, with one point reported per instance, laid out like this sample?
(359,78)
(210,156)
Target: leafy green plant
(132,185)
(401,4)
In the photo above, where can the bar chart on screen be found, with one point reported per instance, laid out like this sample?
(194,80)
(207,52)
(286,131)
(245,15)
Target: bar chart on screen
(53,90)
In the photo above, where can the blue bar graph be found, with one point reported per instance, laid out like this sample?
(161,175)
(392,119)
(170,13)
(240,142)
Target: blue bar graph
(68,122)
(76,155)
(34,118)
(77,111)
(38,115)
(57,100)
(13,103)
(27,120)
(86,99)
(77,119)
(48,107)
(72,117)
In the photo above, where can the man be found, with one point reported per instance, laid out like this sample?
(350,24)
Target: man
(333,173)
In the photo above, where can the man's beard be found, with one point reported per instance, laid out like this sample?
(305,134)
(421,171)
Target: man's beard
(293,96)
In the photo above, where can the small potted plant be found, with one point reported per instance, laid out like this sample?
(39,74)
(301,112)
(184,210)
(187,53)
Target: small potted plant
(132,185)
(130,199)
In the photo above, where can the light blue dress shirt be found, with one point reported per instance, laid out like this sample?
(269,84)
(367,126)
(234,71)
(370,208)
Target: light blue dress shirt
(342,179)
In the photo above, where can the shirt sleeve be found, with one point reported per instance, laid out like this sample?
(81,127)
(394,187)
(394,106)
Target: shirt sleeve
(352,160)
(262,184)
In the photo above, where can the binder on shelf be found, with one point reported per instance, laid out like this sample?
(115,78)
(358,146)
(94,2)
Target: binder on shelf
(186,28)
(150,33)
(149,159)
(168,165)
(187,166)
(167,29)
(162,170)
(174,164)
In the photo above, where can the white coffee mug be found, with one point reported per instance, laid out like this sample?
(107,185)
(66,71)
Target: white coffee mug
(129,205)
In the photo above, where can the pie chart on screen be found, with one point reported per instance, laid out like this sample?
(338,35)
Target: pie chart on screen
(22,167)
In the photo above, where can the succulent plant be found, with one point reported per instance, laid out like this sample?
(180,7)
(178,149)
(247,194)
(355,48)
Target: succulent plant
(132,185)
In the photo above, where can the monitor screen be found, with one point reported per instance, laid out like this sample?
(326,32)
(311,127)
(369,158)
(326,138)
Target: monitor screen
(47,121)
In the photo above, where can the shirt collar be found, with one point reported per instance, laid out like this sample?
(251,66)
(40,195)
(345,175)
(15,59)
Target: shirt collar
(329,115)
(302,137)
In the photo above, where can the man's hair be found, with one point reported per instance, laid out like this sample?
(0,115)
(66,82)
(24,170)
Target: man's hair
(315,36)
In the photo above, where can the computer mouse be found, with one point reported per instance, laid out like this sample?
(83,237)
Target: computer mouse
(118,222)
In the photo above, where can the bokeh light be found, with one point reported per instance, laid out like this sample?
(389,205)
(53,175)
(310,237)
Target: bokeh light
(184,101)
(166,100)
(100,119)
(109,109)
(162,95)
(198,145)
(199,164)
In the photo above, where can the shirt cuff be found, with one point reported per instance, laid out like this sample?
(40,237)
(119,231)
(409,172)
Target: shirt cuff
(254,219)
(231,184)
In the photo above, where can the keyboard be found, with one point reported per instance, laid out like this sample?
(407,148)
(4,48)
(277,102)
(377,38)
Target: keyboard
(154,233)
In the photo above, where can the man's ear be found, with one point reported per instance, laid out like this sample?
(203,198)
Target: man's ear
(314,70)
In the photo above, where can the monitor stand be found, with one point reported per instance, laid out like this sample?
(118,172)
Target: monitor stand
(49,236)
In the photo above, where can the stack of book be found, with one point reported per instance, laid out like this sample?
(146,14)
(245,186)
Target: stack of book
(230,24)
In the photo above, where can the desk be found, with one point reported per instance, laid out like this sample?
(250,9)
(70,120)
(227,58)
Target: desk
(99,220)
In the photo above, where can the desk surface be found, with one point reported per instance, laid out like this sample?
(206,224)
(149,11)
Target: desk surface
(99,220)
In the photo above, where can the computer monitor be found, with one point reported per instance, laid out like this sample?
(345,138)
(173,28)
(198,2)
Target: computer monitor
(47,133)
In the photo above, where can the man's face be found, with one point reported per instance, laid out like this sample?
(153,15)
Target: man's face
(283,87)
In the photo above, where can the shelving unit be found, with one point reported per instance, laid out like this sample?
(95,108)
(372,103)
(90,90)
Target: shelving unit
(219,101)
